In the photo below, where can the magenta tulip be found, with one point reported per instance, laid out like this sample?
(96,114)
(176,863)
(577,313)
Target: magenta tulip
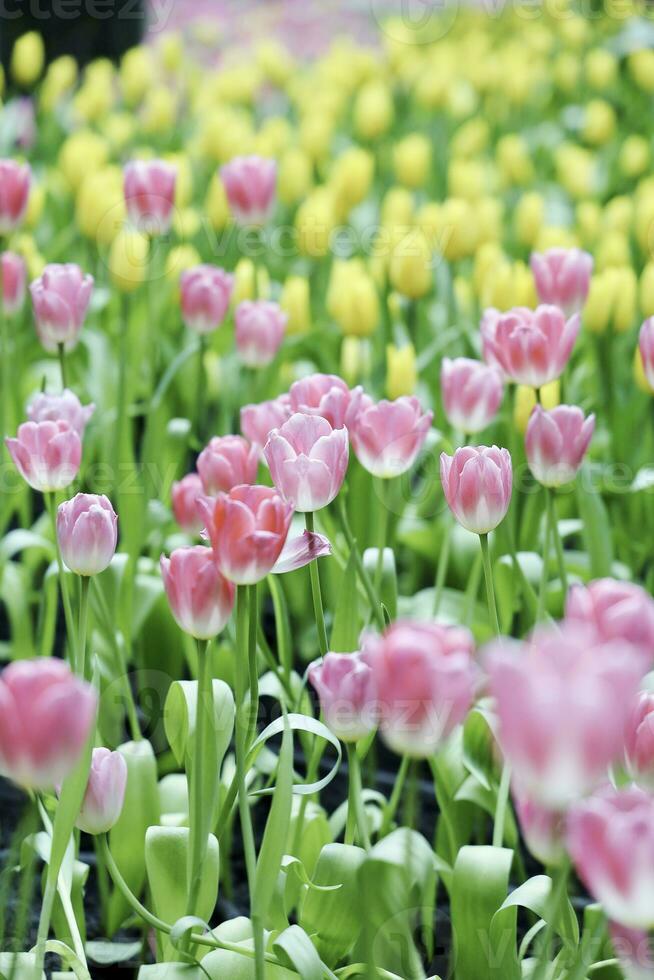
(46,716)
(260,327)
(185,494)
(46,454)
(387,436)
(472,393)
(477,483)
(105,792)
(308,461)
(227,462)
(556,442)
(562,277)
(65,407)
(611,842)
(200,598)
(346,688)
(322,394)
(250,184)
(60,299)
(532,347)
(149,188)
(87,532)
(615,611)
(14,282)
(205,293)
(15,181)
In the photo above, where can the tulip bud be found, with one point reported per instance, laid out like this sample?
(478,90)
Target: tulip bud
(216,205)
(387,436)
(105,792)
(345,686)
(14,279)
(401,370)
(260,328)
(308,461)
(639,742)
(531,347)
(295,301)
(615,611)
(227,462)
(185,495)
(82,153)
(129,260)
(87,533)
(205,296)
(250,281)
(200,598)
(14,193)
(556,443)
(373,110)
(257,421)
(472,393)
(525,402)
(60,299)
(295,175)
(149,187)
(477,483)
(27,58)
(563,277)
(528,217)
(46,454)
(412,160)
(250,184)
(411,271)
(315,220)
(65,407)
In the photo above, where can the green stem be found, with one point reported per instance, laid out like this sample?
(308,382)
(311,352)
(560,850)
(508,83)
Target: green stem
(200,819)
(121,671)
(241,735)
(555,902)
(71,632)
(44,919)
(200,388)
(71,922)
(356,816)
(364,578)
(314,572)
(558,544)
(441,568)
(383,535)
(501,806)
(391,808)
(253,668)
(85,582)
(542,595)
(490,587)
(61,353)
(121,395)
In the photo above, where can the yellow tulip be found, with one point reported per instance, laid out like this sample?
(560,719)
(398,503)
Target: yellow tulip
(412,158)
(641,69)
(528,217)
(250,281)
(599,122)
(27,58)
(59,80)
(137,73)
(635,155)
(216,206)
(295,175)
(352,298)
(411,266)
(350,179)
(314,222)
(178,260)
(401,370)
(296,303)
(601,68)
(35,204)
(355,359)
(373,110)
(646,290)
(82,153)
(159,110)
(525,402)
(129,260)
(100,207)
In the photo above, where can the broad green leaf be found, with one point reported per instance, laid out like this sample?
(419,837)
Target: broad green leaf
(107,953)
(479,887)
(294,949)
(334,918)
(346,625)
(273,844)
(597,526)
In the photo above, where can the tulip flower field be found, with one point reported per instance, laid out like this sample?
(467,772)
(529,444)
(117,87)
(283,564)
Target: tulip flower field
(326,517)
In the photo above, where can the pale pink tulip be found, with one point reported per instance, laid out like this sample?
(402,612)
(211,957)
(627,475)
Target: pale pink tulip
(425,680)
(258,421)
(205,293)
(532,347)
(562,277)
(300,550)
(15,181)
(60,299)
(620,611)
(610,839)
(346,688)
(562,701)
(322,394)
(639,741)
(149,188)
(46,454)
(308,461)
(65,407)
(185,495)
(46,716)
(556,442)
(542,829)
(260,328)
(247,528)
(387,436)
(472,393)
(634,950)
(200,598)
(87,532)
(250,184)
(14,282)
(477,483)
(226,462)
(646,346)
(105,792)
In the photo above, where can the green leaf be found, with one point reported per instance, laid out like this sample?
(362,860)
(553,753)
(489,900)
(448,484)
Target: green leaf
(273,844)
(294,949)
(334,918)
(597,533)
(299,723)
(479,887)
(346,625)
(17,966)
(107,953)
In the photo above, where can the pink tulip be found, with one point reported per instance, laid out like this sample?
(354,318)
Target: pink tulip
(250,184)
(611,842)
(345,686)
(185,495)
(308,461)
(149,188)
(425,679)
(247,528)
(542,829)
(14,282)
(477,483)
(200,598)
(487,327)
(260,327)
(15,181)
(46,454)
(639,741)
(562,277)
(531,346)
(105,792)
(227,462)
(206,293)
(387,436)
(562,701)
(60,299)
(258,421)
(472,393)
(322,394)
(634,950)
(615,611)
(87,532)
(65,407)
(300,550)
(646,345)
(556,443)
(46,716)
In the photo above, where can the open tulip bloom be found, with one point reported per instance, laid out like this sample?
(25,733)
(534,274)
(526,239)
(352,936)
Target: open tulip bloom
(326,548)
